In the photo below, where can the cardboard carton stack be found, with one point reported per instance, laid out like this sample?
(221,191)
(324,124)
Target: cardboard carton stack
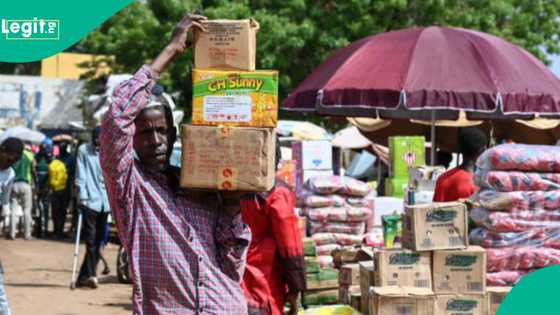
(404,153)
(438,272)
(230,143)
(321,283)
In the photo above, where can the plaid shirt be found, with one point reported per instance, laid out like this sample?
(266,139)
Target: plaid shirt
(185,257)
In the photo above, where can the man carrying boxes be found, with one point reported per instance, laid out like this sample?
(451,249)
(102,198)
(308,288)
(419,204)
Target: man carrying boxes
(186,248)
(231,145)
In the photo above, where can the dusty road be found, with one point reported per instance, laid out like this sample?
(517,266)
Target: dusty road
(37,279)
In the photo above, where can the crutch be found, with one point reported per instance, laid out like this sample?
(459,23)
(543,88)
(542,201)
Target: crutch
(76,251)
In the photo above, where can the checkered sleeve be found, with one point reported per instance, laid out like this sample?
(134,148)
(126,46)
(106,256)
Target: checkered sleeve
(116,145)
(232,237)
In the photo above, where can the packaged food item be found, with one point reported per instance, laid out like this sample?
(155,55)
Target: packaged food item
(521,157)
(435,226)
(518,221)
(309,247)
(460,271)
(402,268)
(324,279)
(321,201)
(401,300)
(326,249)
(356,228)
(313,155)
(320,297)
(496,296)
(312,264)
(504,181)
(326,185)
(404,153)
(340,214)
(521,258)
(392,230)
(535,237)
(227,158)
(226,44)
(375,238)
(325,261)
(472,304)
(349,275)
(235,98)
(504,278)
(519,200)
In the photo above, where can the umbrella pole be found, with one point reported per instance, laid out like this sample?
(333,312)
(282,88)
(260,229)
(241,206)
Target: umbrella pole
(433,139)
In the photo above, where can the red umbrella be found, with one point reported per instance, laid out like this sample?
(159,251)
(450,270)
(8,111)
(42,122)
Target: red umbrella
(435,68)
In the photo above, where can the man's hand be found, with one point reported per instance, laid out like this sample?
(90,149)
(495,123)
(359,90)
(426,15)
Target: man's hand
(292,299)
(178,44)
(179,37)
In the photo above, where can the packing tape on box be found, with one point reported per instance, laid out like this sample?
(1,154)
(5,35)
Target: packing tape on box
(227,178)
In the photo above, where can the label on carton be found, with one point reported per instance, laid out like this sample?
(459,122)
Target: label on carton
(227,178)
(227,108)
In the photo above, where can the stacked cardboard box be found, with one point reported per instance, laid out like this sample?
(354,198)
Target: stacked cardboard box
(404,153)
(230,143)
(313,158)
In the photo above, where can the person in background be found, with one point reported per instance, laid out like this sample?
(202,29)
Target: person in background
(458,183)
(69,161)
(43,159)
(444,159)
(94,204)
(10,152)
(186,248)
(22,195)
(58,179)
(275,269)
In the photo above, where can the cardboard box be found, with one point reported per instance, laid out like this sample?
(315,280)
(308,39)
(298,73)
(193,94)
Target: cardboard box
(495,297)
(460,271)
(226,44)
(461,305)
(313,155)
(235,98)
(326,278)
(420,197)
(345,293)
(395,187)
(349,275)
(320,297)
(396,300)
(401,267)
(435,226)
(226,158)
(424,177)
(404,153)
(367,277)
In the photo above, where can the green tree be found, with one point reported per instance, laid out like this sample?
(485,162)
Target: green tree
(296,35)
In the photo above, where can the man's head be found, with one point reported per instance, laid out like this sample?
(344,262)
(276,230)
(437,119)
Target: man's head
(10,152)
(472,142)
(155,133)
(95,133)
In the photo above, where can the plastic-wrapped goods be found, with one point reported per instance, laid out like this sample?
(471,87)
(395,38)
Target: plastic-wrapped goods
(326,185)
(344,214)
(324,238)
(311,200)
(337,238)
(517,221)
(325,261)
(367,201)
(323,250)
(537,237)
(521,258)
(517,181)
(519,200)
(506,278)
(374,238)
(356,228)
(521,157)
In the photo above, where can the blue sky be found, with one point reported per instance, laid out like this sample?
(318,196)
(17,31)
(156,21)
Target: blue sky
(556,65)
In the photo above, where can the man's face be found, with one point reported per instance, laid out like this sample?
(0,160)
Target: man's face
(8,159)
(153,140)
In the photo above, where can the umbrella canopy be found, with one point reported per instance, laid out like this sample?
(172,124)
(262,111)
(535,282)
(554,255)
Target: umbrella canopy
(396,74)
(24,134)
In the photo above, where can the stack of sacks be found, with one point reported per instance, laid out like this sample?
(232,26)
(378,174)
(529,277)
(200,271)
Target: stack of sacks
(519,215)
(337,211)
(321,282)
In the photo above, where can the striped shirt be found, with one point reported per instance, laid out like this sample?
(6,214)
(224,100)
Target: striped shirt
(186,257)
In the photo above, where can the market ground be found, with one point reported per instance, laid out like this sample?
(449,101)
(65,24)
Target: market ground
(37,281)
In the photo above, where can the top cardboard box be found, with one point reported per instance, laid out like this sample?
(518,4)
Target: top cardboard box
(226,44)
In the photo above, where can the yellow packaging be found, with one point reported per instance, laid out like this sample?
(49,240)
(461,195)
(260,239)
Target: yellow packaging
(235,98)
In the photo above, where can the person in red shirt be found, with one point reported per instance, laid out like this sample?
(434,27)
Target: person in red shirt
(458,183)
(275,268)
